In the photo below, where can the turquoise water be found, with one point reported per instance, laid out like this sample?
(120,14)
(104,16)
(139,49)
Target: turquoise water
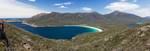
(60,32)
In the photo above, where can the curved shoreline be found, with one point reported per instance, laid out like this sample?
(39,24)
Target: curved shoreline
(97,29)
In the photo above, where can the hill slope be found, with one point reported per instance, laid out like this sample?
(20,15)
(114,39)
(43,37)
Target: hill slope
(55,18)
(119,39)
(122,18)
(95,19)
(126,40)
(21,40)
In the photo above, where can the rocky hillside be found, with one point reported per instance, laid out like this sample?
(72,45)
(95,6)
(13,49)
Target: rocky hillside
(21,40)
(55,18)
(122,18)
(115,39)
(136,39)
(91,19)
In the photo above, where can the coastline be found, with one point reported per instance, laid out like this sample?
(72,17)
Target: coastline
(97,29)
(32,25)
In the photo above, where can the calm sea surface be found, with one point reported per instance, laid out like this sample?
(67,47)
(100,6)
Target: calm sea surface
(60,32)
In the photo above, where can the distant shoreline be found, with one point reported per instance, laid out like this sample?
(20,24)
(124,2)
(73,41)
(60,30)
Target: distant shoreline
(97,29)
(32,25)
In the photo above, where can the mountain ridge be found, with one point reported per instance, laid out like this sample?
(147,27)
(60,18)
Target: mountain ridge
(90,19)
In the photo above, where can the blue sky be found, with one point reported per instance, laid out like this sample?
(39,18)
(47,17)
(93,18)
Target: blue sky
(73,6)
(28,8)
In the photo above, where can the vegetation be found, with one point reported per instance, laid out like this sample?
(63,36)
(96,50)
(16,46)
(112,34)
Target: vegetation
(136,39)
(117,36)
(91,19)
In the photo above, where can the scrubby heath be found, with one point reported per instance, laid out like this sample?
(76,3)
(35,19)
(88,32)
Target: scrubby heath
(74,25)
(114,39)
(121,34)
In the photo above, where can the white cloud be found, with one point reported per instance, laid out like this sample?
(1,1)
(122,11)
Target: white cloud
(62,5)
(122,6)
(129,8)
(13,8)
(67,3)
(127,0)
(123,0)
(143,12)
(32,0)
(87,9)
(58,4)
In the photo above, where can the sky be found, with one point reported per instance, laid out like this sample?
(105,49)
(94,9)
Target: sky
(28,8)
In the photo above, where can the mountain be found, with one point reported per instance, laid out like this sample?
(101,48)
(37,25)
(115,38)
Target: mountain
(91,19)
(121,17)
(55,18)
(147,19)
